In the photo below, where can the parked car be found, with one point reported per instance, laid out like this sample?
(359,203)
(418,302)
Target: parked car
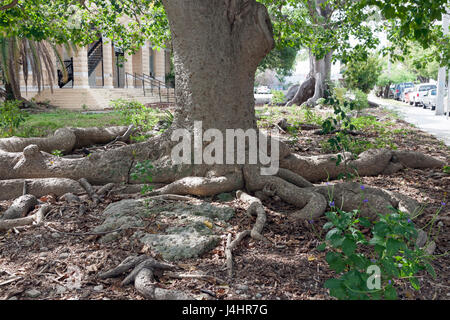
(430,99)
(408,96)
(419,92)
(400,88)
(263,90)
(405,92)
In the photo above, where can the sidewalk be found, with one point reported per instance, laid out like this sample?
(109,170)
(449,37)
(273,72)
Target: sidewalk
(424,119)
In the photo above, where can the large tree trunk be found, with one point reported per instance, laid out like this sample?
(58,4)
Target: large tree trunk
(217,47)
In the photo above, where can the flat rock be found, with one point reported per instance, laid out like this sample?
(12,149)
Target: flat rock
(32,293)
(179,230)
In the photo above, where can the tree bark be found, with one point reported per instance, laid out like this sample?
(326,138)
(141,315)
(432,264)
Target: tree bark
(217,45)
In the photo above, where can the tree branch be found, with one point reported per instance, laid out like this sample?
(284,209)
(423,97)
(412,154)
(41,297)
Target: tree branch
(9,6)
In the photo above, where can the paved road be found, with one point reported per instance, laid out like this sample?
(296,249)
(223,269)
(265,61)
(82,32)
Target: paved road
(424,119)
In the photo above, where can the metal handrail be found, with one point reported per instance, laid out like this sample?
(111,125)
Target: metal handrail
(96,44)
(160,84)
(67,65)
(154,83)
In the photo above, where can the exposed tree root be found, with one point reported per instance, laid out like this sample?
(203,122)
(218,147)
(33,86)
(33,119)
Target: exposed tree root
(143,273)
(369,163)
(311,203)
(20,207)
(304,92)
(65,139)
(201,186)
(370,201)
(255,207)
(36,219)
(91,192)
(204,277)
(11,189)
(292,183)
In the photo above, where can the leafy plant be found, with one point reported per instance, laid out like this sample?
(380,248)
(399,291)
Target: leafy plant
(11,116)
(361,101)
(362,75)
(143,172)
(446,169)
(167,120)
(136,113)
(57,153)
(278,97)
(391,250)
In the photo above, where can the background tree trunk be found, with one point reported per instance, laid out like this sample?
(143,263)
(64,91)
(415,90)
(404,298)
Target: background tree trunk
(314,86)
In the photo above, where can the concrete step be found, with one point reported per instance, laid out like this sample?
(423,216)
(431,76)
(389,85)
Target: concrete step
(95,98)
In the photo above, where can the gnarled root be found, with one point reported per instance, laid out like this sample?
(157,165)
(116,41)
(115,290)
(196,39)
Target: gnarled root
(370,201)
(204,186)
(20,207)
(65,139)
(304,92)
(311,203)
(36,219)
(144,269)
(369,163)
(255,207)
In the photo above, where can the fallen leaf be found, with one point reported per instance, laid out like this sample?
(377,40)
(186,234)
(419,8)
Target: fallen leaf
(208,224)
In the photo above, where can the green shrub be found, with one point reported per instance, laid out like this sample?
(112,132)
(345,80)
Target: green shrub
(11,116)
(361,101)
(136,113)
(391,250)
(278,97)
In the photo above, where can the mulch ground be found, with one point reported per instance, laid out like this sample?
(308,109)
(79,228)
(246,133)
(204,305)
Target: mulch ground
(61,262)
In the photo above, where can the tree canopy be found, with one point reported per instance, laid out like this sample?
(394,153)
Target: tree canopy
(346,28)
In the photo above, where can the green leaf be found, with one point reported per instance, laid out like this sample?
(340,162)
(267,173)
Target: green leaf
(353,279)
(333,233)
(390,293)
(348,246)
(335,261)
(376,240)
(430,270)
(365,222)
(415,283)
(328,225)
(339,293)
(392,246)
(380,229)
(390,268)
(321,247)
(333,284)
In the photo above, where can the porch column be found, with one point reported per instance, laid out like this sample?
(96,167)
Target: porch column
(107,64)
(146,58)
(160,65)
(80,69)
(128,68)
